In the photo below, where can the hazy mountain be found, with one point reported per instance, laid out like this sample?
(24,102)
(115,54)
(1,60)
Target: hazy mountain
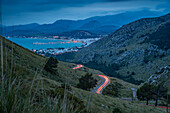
(21,27)
(105,29)
(91,25)
(133,52)
(124,18)
(80,34)
(98,24)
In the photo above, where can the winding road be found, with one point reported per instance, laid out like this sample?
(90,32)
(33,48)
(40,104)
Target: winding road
(104,82)
(78,66)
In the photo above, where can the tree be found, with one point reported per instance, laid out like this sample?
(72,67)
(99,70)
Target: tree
(159,91)
(145,92)
(86,82)
(112,89)
(51,65)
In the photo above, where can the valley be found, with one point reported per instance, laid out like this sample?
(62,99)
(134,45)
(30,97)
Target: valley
(103,56)
(49,75)
(131,52)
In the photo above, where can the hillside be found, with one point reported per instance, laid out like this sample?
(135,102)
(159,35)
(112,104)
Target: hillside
(31,79)
(133,53)
(162,77)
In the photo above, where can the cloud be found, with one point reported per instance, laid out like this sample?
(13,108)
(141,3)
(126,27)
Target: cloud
(56,1)
(48,11)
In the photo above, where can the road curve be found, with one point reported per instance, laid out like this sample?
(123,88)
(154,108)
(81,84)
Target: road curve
(78,66)
(105,81)
(103,85)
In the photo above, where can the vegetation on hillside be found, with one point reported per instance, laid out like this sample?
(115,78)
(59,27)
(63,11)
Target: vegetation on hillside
(23,87)
(110,70)
(29,85)
(161,37)
(137,49)
(150,92)
(87,82)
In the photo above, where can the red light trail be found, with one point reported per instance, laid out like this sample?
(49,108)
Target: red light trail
(106,80)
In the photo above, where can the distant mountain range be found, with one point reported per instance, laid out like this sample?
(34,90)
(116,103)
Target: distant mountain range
(80,34)
(133,52)
(101,25)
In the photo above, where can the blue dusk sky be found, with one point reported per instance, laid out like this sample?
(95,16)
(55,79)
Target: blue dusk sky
(16,12)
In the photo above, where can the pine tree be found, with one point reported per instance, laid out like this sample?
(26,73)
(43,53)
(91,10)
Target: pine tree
(145,92)
(86,82)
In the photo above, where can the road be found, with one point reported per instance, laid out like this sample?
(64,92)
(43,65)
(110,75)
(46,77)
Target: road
(104,82)
(164,107)
(78,66)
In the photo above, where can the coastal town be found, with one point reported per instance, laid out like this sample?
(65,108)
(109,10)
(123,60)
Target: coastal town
(59,51)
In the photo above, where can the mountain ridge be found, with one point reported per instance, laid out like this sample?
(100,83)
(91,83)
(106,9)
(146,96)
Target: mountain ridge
(60,26)
(131,48)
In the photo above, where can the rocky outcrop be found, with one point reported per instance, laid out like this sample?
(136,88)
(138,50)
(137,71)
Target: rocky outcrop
(163,75)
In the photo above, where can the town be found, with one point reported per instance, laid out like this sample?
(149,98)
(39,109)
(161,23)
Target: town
(59,51)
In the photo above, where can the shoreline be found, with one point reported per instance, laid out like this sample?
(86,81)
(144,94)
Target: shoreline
(72,40)
(60,50)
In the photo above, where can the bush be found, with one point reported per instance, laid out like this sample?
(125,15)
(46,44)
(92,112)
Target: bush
(117,110)
(133,73)
(86,82)
(113,89)
(51,65)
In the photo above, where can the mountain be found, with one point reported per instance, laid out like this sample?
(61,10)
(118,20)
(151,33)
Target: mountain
(21,27)
(133,52)
(99,24)
(80,34)
(33,83)
(91,25)
(105,29)
(26,33)
(161,77)
(124,18)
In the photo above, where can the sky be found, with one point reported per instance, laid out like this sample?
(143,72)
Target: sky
(17,12)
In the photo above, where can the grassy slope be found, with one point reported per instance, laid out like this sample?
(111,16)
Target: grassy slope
(27,64)
(107,103)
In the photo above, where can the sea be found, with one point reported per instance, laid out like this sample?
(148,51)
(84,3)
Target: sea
(33,43)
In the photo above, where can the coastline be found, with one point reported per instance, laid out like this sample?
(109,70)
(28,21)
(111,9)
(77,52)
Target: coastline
(60,50)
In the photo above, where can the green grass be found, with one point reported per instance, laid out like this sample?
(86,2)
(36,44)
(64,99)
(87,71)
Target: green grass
(109,103)
(119,88)
(25,88)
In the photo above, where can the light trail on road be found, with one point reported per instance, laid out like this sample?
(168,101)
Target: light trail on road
(164,107)
(107,81)
(101,86)
(78,66)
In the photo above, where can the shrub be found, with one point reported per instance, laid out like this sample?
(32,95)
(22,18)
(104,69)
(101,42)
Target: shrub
(117,110)
(51,66)
(86,82)
(133,73)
